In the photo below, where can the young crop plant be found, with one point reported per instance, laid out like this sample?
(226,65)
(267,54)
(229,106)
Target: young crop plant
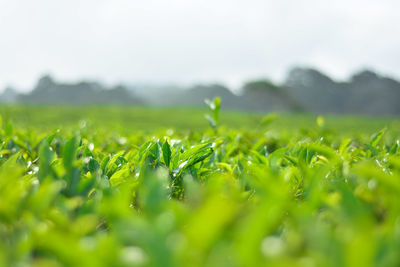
(214,106)
(93,194)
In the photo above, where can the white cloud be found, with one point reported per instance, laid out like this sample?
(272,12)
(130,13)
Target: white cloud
(193,40)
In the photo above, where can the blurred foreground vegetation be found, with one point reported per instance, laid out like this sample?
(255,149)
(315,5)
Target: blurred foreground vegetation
(162,187)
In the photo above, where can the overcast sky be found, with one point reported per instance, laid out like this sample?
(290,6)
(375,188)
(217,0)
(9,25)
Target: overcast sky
(185,41)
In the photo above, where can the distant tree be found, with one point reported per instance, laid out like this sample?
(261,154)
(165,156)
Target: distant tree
(259,85)
(44,83)
(85,92)
(9,95)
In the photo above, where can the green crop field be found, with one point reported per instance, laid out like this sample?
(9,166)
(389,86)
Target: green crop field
(114,186)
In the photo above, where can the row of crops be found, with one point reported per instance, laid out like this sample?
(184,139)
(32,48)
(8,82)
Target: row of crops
(214,197)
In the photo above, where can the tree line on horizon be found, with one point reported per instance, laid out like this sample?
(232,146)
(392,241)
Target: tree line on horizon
(304,90)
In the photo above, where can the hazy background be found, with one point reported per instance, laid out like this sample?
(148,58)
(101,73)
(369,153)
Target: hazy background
(191,41)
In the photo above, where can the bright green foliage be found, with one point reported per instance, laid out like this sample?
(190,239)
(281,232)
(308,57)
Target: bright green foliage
(214,107)
(93,196)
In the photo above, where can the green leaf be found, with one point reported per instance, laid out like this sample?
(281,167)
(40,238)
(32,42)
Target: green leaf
(120,176)
(166,153)
(376,138)
(93,165)
(211,121)
(214,106)
(46,156)
(275,158)
(9,128)
(217,105)
(268,119)
(111,164)
(69,152)
(193,156)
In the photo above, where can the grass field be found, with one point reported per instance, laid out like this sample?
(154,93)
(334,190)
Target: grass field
(126,119)
(112,186)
